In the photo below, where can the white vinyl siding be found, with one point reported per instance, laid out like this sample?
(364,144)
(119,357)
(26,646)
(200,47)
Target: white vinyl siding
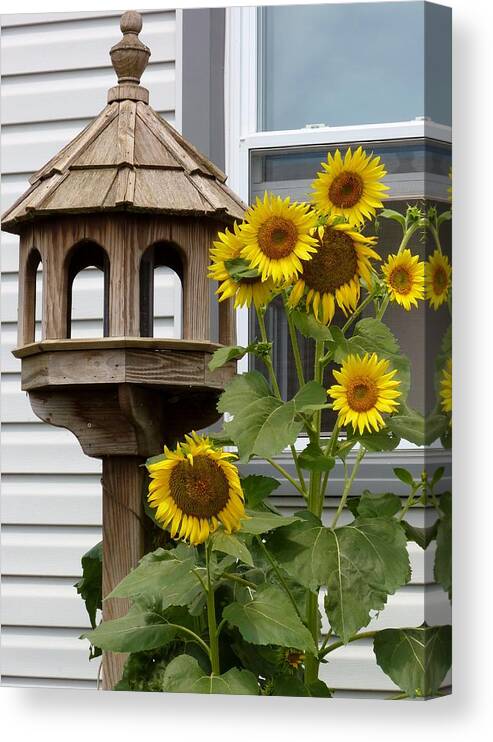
(56,71)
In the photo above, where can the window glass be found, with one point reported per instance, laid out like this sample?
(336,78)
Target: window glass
(356,63)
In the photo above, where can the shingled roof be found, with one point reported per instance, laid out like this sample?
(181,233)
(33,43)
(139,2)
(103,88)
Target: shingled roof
(128,158)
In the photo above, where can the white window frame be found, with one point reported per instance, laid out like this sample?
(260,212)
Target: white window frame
(241,123)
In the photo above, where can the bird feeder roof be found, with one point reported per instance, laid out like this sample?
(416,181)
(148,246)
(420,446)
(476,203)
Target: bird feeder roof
(128,158)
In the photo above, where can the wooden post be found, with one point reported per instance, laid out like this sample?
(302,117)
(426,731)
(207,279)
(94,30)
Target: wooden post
(123,541)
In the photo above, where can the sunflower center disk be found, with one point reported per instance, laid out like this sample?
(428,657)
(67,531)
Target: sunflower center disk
(346,190)
(439,281)
(401,281)
(334,264)
(362,395)
(277,237)
(202,489)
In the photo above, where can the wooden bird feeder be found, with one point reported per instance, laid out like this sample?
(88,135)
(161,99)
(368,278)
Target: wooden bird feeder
(128,194)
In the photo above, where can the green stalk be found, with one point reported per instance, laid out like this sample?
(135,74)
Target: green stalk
(355,638)
(280,576)
(315,506)
(347,486)
(295,346)
(272,375)
(286,474)
(369,298)
(211,616)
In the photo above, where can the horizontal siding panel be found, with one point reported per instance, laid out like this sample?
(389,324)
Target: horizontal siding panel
(63,655)
(9,251)
(354,668)
(49,550)
(27,148)
(57,499)
(51,653)
(13,681)
(42,602)
(79,45)
(43,449)
(50,601)
(86,89)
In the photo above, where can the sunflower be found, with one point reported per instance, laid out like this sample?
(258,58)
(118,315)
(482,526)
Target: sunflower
(194,488)
(350,187)
(245,290)
(277,237)
(438,274)
(446,386)
(333,273)
(366,388)
(405,278)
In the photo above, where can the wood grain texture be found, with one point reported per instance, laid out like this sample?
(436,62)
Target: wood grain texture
(123,541)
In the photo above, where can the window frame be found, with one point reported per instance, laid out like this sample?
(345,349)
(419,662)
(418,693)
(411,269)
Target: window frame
(241,125)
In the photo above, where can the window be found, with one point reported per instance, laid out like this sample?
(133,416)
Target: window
(336,53)
(275,141)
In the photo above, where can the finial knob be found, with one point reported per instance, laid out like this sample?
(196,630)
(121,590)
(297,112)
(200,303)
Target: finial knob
(131,22)
(130,56)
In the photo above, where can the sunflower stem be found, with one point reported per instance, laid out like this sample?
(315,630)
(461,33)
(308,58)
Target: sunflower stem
(241,580)
(355,638)
(277,570)
(347,486)
(211,615)
(369,298)
(315,506)
(272,375)
(294,345)
(286,474)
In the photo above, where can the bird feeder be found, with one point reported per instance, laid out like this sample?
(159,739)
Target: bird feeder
(127,195)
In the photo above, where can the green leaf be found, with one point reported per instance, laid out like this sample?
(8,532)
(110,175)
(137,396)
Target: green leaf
(409,427)
(314,459)
(169,579)
(367,560)
(309,327)
(264,427)
(394,215)
(269,618)
(90,585)
(239,268)
(260,522)
(290,685)
(443,555)
(242,390)
(404,475)
(383,440)
(257,488)
(229,353)
(417,660)
(312,396)
(421,536)
(230,544)
(377,506)
(135,632)
(184,675)
(445,216)
(155,459)
(302,549)
(437,475)
(415,428)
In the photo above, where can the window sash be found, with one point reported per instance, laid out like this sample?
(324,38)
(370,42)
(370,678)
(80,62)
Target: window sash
(242,135)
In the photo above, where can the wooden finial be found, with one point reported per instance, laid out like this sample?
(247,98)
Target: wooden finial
(129,58)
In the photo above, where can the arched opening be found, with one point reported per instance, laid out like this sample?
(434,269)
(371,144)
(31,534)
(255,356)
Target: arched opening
(33,298)
(161,291)
(88,291)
